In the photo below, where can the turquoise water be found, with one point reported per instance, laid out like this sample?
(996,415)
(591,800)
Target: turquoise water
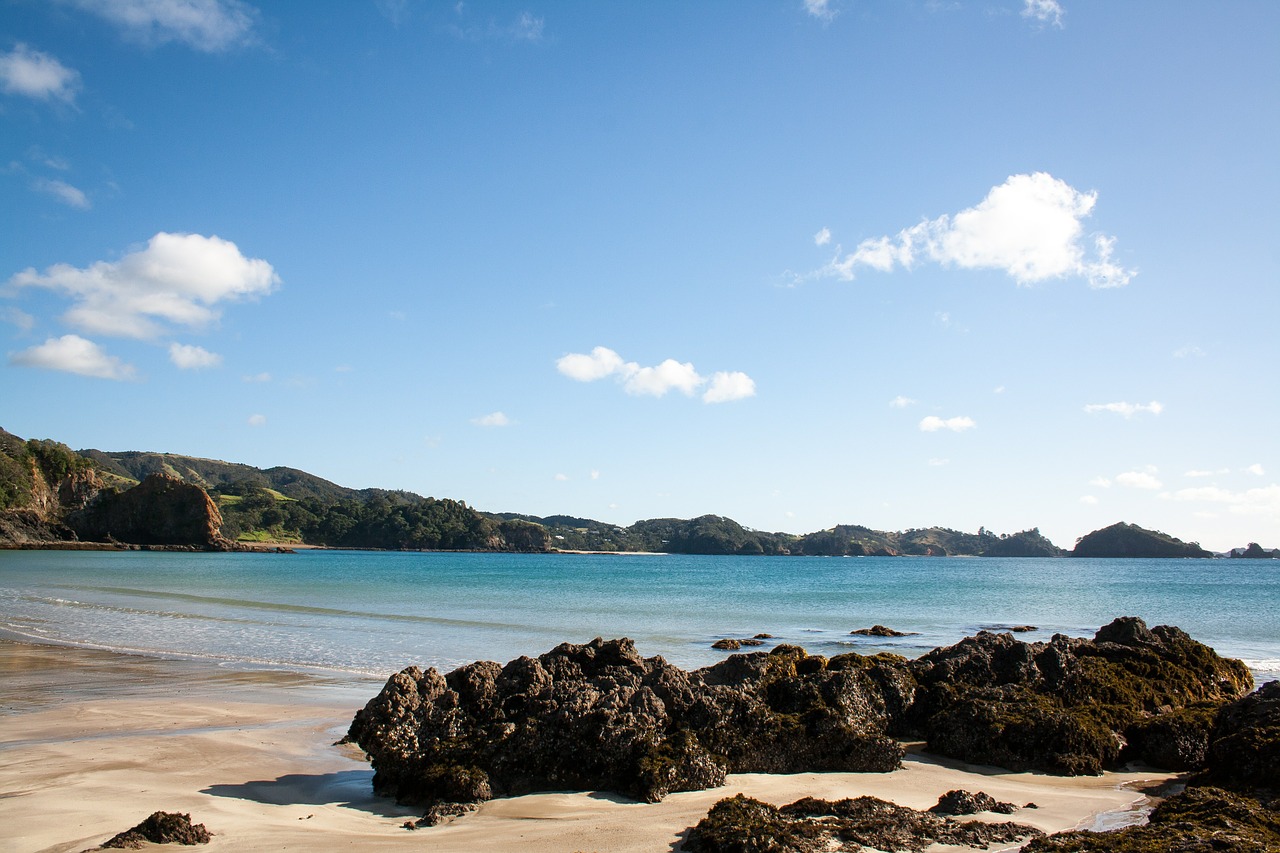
(375,613)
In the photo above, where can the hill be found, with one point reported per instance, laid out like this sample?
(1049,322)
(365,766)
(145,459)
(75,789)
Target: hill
(1130,540)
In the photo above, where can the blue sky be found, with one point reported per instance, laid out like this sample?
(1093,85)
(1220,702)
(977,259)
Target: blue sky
(1007,263)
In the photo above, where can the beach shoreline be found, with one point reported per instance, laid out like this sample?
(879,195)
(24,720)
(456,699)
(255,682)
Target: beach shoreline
(92,741)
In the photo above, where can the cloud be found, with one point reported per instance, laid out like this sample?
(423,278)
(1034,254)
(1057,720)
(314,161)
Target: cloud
(528,27)
(1043,11)
(1139,480)
(595,475)
(820,9)
(1089,500)
(1255,469)
(177,278)
(257,420)
(1100,482)
(1029,227)
(562,478)
(19,318)
(957,424)
(190,357)
(211,26)
(1261,501)
(1190,350)
(725,386)
(938,463)
(1128,410)
(63,192)
(33,74)
(73,354)
(257,377)
(822,238)
(901,402)
(493,419)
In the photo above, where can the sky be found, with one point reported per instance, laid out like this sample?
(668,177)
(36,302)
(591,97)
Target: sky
(986,263)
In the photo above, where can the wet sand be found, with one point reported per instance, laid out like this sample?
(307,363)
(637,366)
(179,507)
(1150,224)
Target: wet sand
(91,742)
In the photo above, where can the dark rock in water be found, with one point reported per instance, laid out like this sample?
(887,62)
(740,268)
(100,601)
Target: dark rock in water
(879,631)
(1199,820)
(744,825)
(727,645)
(161,828)
(763,637)
(600,717)
(963,802)
(1065,706)
(1023,629)
(1244,748)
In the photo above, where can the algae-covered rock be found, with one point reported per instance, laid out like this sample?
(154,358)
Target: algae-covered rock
(1244,748)
(965,802)
(1199,820)
(600,717)
(160,828)
(744,825)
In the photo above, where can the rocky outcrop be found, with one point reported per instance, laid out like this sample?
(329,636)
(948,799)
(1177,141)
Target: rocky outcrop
(161,510)
(879,631)
(1067,706)
(160,828)
(600,717)
(1130,540)
(742,824)
(1244,748)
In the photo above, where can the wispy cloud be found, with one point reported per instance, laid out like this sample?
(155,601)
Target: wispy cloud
(1260,501)
(656,381)
(33,74)
(1045,12)
(257,420)
(211,26)
(18,317)
(63,192)
(256,377)
(957,424)
(823,237)
(901,402)
(191,357)
(1128,410)
(1030,227)
(74,354)
(820,9)
(493,419)
(177,279)
(1088,500)
(1255,469)
(1189,351)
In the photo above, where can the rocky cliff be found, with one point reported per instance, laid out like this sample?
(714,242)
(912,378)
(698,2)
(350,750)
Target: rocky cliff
(161,510)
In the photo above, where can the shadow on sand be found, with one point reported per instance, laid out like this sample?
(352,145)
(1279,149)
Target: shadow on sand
(351,789)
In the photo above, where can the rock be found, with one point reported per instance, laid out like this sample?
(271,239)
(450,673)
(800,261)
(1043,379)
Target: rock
(744,825)
(1067,706)
(727,645)
(879,631)
(962,802)
(1199,820)
(600,717)
(1130,540)
(1023,629)
(1244,747)
(763,637)
(1176,740)
(161,510)
(161,828)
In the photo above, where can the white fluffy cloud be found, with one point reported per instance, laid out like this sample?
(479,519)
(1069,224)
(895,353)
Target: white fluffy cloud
(1256,469)
(723,386)
(1029,227)
(1128,410)
(73,354)
(33,74)
(823,237)
(177,279)
(493,419)
(729,386)
(1088,500)
(820,9)
(901,402)
(191,357)
(1139,480)
(63,192)
(957,424)
(207,25)
(1044,11)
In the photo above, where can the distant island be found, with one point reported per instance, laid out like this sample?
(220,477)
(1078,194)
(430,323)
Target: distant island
(54,497)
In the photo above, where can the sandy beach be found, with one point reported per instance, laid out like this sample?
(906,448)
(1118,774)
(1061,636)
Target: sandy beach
(92,741)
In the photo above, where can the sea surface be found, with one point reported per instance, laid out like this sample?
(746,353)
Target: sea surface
(374,613)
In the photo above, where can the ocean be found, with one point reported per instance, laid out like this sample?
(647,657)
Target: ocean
(369,614)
